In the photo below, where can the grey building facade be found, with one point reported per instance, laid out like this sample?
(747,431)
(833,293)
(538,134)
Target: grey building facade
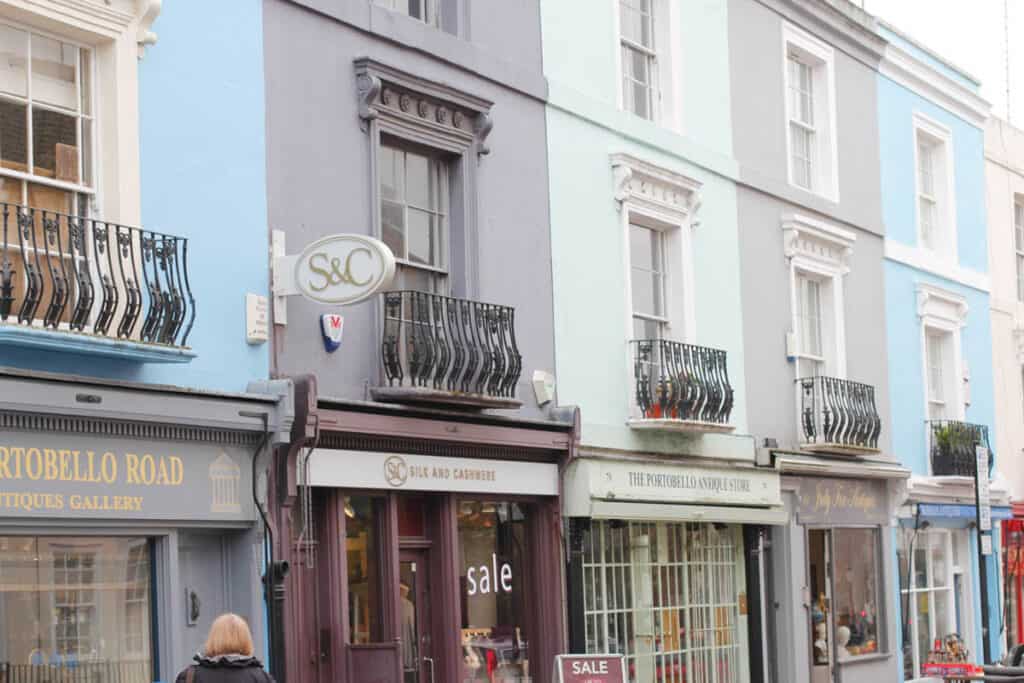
(417,503)
(812,246)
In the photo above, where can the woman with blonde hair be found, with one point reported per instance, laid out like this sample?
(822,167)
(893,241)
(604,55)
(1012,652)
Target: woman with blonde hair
(227,656)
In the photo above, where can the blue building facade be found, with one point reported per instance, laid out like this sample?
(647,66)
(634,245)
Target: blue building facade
(931,130)
(135,401)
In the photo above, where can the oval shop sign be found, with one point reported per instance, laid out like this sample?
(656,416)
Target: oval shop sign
(344,269)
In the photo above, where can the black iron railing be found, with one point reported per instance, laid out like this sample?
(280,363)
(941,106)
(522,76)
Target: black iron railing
(676,381)
(77,672)
(952,445)
(450,345)
(91,276)
(838,412)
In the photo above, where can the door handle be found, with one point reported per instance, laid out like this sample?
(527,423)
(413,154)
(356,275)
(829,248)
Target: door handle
(431,661)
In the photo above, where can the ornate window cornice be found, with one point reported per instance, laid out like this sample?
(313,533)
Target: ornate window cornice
(818,242)
(109,18)
(939,305)
(655,190)
(423,110)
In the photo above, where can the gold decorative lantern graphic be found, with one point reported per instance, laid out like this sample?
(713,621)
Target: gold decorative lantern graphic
(225,479)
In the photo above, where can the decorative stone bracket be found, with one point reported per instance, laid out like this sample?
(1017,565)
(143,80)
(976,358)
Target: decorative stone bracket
(426,111)
(659,190)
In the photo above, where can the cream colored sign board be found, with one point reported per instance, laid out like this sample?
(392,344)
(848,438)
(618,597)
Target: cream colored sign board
(629,481)
(405,472)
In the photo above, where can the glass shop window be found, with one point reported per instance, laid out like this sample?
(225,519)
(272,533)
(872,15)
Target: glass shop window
(856,591)
(75,609)
(362,540)
(492,553)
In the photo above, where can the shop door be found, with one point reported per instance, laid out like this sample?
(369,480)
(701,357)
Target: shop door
(819,568)
(417,655)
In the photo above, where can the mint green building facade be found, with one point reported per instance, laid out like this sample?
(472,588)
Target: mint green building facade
(648,337)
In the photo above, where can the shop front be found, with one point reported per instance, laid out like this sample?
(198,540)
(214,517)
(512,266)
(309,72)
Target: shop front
(435,545)
(1013,575)
(832,573)
(127,524)
(664,565)
(939,577)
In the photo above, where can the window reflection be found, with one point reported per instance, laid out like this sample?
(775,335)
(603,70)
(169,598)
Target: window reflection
(492,542)
(75,608)
(856,591)
(361,541)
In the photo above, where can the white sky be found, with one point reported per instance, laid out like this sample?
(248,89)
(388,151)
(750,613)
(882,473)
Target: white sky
(970,34)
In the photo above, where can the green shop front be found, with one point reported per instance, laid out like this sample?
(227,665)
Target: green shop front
(127,523)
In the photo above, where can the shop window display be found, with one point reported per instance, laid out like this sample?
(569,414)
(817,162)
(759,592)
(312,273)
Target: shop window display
(493,539)
(855,582)
(667,596)
(75,608)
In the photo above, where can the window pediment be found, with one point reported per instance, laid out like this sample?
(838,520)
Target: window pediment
(941,306)
(817,242)
(422,110)
(655,190)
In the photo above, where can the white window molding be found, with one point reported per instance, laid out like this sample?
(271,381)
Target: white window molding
(667,201)
(942,241)
(821,253)
(820,58)
(944,313)
(117,31)
(665,63)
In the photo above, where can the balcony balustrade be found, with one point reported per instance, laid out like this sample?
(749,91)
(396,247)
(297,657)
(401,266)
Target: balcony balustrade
(441,349)
(680,387)
(837,415)
(951,446)
(79,278)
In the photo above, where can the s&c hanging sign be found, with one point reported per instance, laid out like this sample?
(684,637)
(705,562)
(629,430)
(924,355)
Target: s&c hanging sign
(337,269)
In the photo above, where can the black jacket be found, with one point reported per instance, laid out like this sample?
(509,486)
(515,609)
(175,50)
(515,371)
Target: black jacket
(225,669)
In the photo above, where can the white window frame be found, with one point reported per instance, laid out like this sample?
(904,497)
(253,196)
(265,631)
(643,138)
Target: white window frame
(664,200)
(666,109)
(824,153)
(662,234)
(819,251)
(432,13)
(1018,244)
(940,139)
(117,33)
(948,592)
(85,169)
(943,312)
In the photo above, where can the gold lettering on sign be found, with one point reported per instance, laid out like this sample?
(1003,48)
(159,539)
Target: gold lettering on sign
(336,276)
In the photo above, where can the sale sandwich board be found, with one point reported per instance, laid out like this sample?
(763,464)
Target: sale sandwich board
(590,669)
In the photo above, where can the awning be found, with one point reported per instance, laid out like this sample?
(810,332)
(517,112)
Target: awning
(954,511)
(667,512)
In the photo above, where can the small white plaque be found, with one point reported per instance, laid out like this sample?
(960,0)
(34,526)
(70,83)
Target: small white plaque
(257,323)
(986,544)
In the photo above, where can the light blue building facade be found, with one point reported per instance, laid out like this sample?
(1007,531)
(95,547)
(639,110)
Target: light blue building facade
(931,131)
(135,399)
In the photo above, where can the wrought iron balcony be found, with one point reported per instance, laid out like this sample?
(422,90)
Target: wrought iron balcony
(440,349)
(951,446)
(837,415)
(87,279)
(680,386)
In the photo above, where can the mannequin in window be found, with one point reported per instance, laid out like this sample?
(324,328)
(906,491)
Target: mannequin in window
(408,629)
(842,638)
(821,643)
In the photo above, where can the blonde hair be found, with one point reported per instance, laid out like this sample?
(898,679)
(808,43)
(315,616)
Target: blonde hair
(229,635)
